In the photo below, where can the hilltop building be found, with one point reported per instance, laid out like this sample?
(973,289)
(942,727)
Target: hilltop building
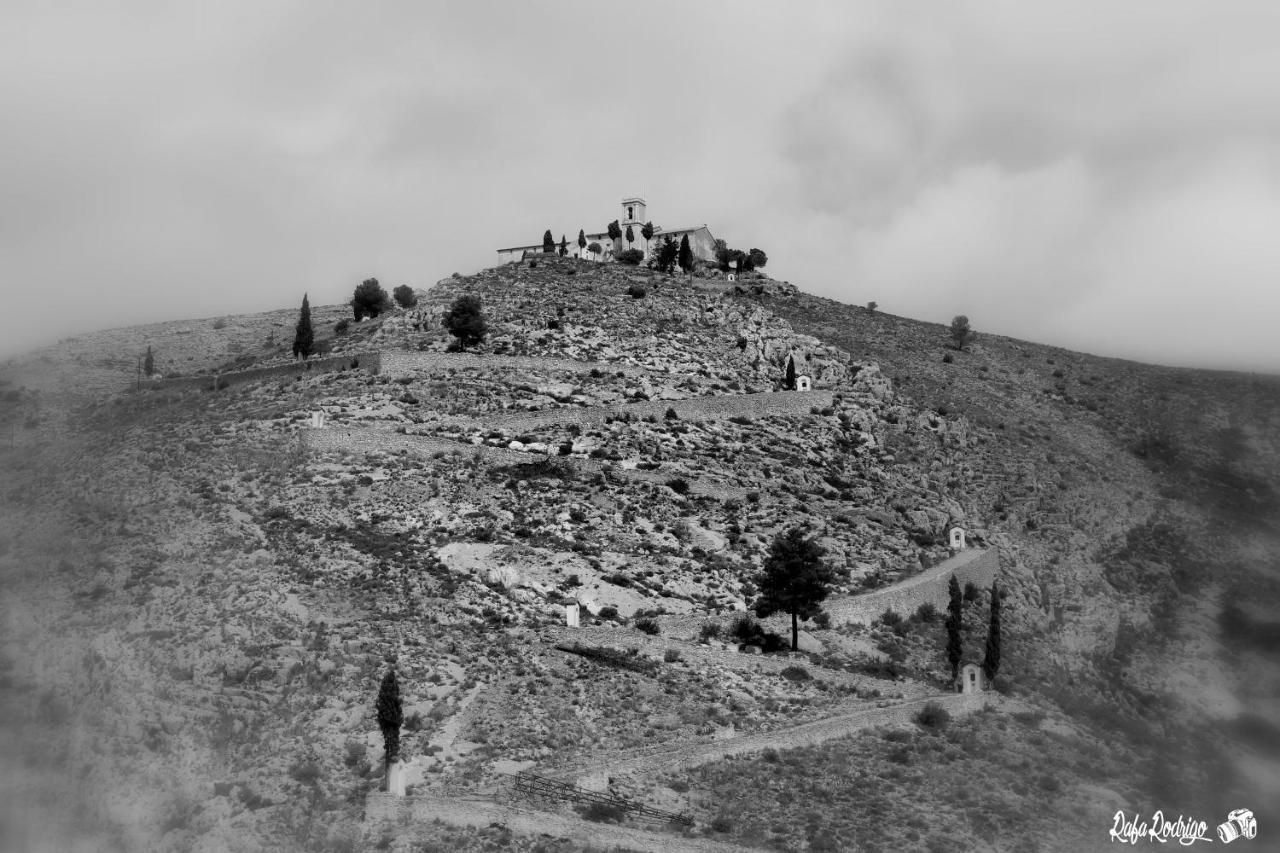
(633,214)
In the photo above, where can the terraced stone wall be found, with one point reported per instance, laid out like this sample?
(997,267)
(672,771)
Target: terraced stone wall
(404,363)
(692,409)
(364,440)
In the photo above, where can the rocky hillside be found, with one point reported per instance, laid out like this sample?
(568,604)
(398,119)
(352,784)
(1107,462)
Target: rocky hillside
(200,604)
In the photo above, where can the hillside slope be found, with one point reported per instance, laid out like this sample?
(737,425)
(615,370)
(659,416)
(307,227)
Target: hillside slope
(202,591)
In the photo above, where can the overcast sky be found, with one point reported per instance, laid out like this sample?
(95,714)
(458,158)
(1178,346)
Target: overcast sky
(1104,176)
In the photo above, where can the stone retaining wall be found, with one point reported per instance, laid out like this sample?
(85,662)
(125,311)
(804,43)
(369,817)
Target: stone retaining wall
(978,566)
(368,361)
(405,362)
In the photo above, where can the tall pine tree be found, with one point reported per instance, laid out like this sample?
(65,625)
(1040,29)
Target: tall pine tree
(390,715)
(991,663)
(795,580)
(548,243)
(303,336)
(955,616)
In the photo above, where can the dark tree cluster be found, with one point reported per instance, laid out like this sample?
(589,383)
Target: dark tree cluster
(747,260)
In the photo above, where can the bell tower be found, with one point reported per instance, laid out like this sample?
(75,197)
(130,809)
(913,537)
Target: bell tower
(633,212)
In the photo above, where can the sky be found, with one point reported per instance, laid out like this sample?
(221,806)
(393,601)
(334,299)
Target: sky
(1096,175)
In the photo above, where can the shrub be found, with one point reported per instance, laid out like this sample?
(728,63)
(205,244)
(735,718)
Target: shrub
(889,618)
(822,620)
(220,323)
(671,655)
(404,296)
(721,824)
(796,674)
(631,256)
(933,716)
(635,291)
(603,812)
(926,612)
(947,359)
(648,626)
(340,327)
(305,772)
(369,299)
(465,320)
(679,486)
(608,612)
(709,631)
(872,306)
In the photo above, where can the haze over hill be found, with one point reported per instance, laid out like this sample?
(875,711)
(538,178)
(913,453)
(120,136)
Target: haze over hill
(204,586)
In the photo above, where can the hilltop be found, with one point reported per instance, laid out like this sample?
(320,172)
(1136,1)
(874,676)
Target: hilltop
(204,589)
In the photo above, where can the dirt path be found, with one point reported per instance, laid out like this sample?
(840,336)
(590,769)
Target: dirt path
(401,815)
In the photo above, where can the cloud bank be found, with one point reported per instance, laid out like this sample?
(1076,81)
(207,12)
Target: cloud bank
(1098,176)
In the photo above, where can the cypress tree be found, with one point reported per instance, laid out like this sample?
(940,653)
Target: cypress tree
(955,614)
(582,240)
(390,715)
(991,663)
(548,243)
(630,235)
(149,363)
(304,336)
(791,373)
(564,246)
(646,231)
(686,254)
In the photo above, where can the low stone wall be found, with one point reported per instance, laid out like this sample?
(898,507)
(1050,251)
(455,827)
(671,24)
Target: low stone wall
(656,646)
(367,361)
(691,409)
(686,756)
(386,810)
(366,440)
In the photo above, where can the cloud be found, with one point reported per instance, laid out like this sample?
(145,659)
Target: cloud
(1048,171)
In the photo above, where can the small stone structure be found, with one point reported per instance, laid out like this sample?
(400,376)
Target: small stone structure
(317,420)
(395,778)
(733,276)
(571,615)
(957,539)
(972,679)
(804,383)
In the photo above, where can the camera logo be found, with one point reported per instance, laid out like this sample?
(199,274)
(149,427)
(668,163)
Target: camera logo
(1240,824)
